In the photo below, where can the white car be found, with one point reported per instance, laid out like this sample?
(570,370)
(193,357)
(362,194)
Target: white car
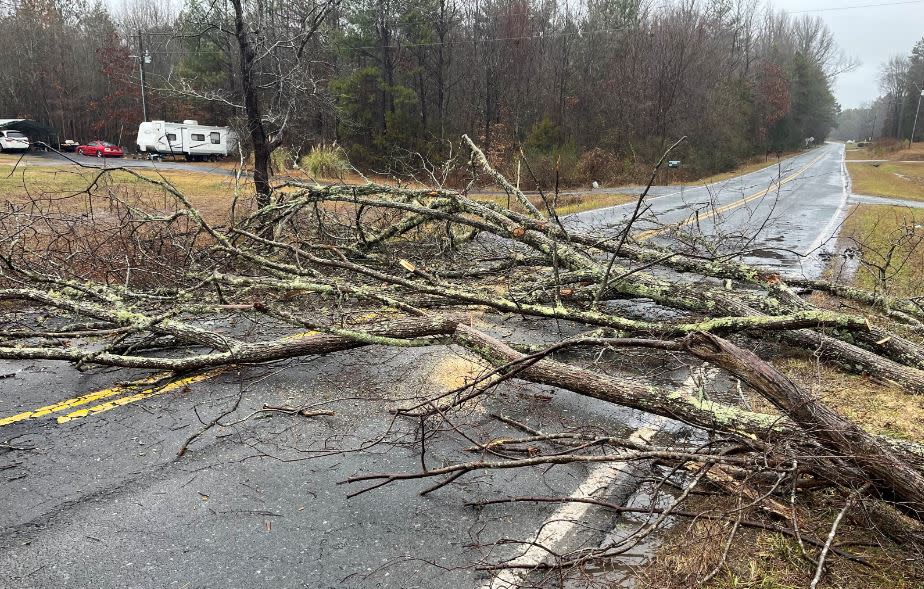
(12,140)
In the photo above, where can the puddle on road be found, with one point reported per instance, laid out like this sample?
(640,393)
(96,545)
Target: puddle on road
(763,254)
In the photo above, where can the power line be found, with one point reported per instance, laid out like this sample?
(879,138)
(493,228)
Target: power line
(832,8)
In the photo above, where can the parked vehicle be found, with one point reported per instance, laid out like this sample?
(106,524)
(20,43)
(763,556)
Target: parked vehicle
(12,140)
(194,141)
(100,149)
(68,145)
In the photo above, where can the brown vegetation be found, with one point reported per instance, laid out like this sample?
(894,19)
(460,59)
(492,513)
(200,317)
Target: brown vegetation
(133,283)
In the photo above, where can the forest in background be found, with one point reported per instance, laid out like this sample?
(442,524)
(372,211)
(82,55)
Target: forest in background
(892,114)
(592,90)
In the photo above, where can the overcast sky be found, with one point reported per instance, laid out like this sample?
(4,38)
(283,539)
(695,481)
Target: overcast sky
(871,34)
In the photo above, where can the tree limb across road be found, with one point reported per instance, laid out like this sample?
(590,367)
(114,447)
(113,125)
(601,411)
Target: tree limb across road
(324,269)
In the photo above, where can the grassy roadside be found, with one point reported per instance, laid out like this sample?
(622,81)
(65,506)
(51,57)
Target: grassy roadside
(67,185)
(893,180)
(209,191)
(882,245)
(764,559)
(64,180)
(886,152)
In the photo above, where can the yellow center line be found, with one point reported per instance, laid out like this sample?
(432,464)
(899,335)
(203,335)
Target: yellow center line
(107,393)
(177,384)
(121,389)
(646,235)
(82,399)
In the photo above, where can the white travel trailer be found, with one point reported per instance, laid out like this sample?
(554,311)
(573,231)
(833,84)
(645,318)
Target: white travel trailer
(189,138)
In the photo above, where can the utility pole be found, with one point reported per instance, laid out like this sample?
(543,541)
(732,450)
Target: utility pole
(141,59)
(914,127)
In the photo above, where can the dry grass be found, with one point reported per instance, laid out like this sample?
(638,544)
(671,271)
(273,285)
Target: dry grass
(878,152)
(879,407)
(760,559)
(871,231)
(893,180)
(858,153)
(210,193)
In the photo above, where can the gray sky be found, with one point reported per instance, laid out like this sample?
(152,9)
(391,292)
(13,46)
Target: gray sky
(871,34)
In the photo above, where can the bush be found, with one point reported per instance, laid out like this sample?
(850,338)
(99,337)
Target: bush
(600,165)
(543,138)
(282,159)
(544,165)
(325,161)
(885,146)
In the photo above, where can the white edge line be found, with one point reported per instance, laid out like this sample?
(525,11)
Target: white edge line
(566,519)
(829,229)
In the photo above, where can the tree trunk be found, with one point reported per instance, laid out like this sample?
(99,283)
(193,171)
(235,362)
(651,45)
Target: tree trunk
(895,478)
(262,146)
(859,453)
(620,391)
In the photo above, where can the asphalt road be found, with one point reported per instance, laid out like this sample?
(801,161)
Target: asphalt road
(100,499)
(783,215)
(39,158)
(93,494)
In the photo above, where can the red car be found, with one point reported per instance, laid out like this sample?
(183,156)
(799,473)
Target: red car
(100,149)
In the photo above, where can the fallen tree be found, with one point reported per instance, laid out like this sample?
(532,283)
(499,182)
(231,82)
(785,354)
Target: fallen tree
(316,261)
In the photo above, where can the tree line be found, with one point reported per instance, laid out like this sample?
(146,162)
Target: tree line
(588,90)
(892,114)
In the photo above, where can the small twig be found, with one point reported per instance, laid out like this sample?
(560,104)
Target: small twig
(211,424)
(793,514)
(303,411)
(516,424)
(834,526)
(728,543)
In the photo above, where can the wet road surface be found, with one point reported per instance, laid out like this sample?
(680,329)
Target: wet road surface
(795,209)
(100,499)
(93,494)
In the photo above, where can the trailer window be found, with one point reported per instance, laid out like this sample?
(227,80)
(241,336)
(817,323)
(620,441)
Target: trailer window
(171,136)
(198,136)
(215,136)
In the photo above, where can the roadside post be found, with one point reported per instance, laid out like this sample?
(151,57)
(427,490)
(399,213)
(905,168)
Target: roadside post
(671,164)
(916,113)
(143,58)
